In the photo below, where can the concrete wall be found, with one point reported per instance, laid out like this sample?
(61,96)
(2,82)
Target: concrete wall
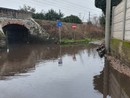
(11,16)
(10,13)
(120,31)
(121,21)
(115,79)
(120,45)
(118,13)
(36,32)
(121,50)
(116,88)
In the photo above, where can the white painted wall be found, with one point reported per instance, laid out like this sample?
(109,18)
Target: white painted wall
(120,19)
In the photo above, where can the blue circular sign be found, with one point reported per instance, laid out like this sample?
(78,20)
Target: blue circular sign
(59,23)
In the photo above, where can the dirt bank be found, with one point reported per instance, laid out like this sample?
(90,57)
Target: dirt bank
(118,65)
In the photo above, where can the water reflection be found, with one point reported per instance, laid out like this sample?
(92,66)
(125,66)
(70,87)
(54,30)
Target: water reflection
(32,71)
(111,83)
(60,62)
(23,58)
(119,86)
(101,81)
(78,74)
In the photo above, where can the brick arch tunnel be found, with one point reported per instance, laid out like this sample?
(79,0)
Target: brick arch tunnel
(16,33)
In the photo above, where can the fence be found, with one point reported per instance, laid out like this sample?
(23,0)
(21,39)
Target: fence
(121,21)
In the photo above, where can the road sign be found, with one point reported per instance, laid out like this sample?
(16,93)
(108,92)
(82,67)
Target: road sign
(59,23)
(74,26)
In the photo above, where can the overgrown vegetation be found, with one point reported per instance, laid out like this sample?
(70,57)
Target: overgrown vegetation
(1,35)
(51,15)
(27,9)
(47,20)
(102,4)
(120,49)
(72,19)
(67,41)
(102,21)
(82,31)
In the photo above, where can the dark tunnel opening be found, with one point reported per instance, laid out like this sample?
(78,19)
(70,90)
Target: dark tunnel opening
(16,33)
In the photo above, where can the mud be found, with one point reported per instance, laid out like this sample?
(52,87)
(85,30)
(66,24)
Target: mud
(118,65)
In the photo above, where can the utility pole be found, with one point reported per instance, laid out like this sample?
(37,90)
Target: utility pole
(89,25)
(124,20)
(89,16)
(107,26)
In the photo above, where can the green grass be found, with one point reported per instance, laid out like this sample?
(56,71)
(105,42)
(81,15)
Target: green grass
(120,49)
(116,43)
(81,41)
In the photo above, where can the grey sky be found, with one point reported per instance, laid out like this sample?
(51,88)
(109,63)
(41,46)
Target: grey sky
(80,8)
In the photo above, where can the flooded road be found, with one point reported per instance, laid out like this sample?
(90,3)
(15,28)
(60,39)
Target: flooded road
(116,84)
(34,71)
(50,71)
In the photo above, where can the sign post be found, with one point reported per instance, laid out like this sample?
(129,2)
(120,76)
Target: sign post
(59,24)
(74,26)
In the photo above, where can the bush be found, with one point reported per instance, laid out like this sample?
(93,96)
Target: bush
(1,35)
(81,32)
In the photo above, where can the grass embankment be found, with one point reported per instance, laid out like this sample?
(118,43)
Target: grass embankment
(80,41)
(120,49)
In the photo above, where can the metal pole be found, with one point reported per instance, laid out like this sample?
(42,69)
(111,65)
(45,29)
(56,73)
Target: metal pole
(89,16)
(124,20)
(74,34)
(113,18)
(107,27)
(60,34)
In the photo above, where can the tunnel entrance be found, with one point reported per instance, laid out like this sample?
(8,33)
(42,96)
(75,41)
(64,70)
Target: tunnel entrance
(16,33)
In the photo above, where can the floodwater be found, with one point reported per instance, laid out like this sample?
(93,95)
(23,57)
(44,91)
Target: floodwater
(116,84)
(52,71)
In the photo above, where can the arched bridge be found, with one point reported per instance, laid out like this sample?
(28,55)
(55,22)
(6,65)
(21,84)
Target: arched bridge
(18,26)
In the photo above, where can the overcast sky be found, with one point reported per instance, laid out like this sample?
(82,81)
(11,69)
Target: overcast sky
(80,8)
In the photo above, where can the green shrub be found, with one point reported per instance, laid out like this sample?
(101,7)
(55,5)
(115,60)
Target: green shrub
(1,35)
